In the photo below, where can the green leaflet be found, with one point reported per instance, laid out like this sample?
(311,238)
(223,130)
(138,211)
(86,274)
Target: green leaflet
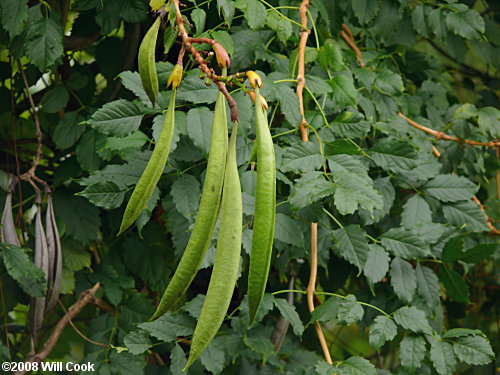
(227,258)
(147,67)
(207,213)
(153,171)
(265,212)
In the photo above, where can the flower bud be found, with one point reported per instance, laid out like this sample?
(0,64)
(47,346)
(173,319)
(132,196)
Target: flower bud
(221,55)
(263,101)
(156,4)
(254,79)
(175,77)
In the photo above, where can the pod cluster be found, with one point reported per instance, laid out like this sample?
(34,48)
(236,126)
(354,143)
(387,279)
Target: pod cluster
(48,253)
(221,195)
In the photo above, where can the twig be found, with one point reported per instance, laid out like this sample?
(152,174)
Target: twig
(78,331)
(349,39)
(38,132)
(188,44)
(311,287)
(301,80)
(493,230)
(86,297)
(442,136)
(498,173)
(436,152)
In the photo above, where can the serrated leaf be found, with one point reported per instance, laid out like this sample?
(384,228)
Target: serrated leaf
(14,15)
(419,17)
(288,230)
(412,352)
(403,279)
(474,350)
(461,332)
(352,189)
(132,81)
(488,120)
(352,245)
(330,56)
(427,284)
(169,326)
(468,24)
(199,17)
(454,284)
(55,99)
(466,214)
(377,263)
(137,342)
(412,319)
(393,155)
(442,357)
(255,12)
(404,243)
(349,311)
(479,253)
(281,25)
(213,357)
(382,330)
(451,188)
(104,194)
(365,10)
(289,104)
(289,313)
(30,278)
(199,120)
(309,188)
(118,118)
(326,311)
(186,193)
(195,91)
(343,90)
(302,157)
(44,42)
(452,250)
(416,211)
(67,131)
(389,82)
(356,366)
(177,360)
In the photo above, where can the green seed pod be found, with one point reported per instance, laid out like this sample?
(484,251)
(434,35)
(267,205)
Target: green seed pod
(147,67)
(265,212)
(153,171)
(207,213)
(227,259)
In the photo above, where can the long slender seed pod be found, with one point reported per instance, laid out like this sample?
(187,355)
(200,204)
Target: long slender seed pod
(207,213)
(153,171)
(37,306)
(227,259)
(265,212)
(55,255)
(147,67)
(8,231)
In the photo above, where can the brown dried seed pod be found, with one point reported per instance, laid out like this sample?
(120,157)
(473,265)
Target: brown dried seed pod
(55,255)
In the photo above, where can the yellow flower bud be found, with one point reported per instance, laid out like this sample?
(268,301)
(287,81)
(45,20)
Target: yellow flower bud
(254,79)
(175,77)
(156,4)
(263,101)
(221,55)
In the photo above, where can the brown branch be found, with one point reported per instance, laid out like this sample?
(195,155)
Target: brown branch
(86,297)
(493,230)
(311,287)
(349,39)
(188,44)
(442,136)
(301,79)
(436,152)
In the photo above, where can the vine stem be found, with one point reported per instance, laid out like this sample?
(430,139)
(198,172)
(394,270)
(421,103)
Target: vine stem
(38,132)
(440,135)
(311,290)
(301,81)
